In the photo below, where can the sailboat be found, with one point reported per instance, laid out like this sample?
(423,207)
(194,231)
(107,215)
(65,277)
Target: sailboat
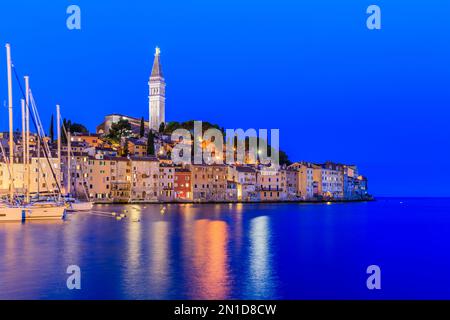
(26,209)
(50,209)
(9,211)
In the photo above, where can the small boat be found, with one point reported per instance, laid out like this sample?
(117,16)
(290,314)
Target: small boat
(76,205)
(45,211)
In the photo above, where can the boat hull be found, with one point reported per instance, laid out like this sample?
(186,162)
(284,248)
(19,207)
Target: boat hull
(45,212)
(11,214)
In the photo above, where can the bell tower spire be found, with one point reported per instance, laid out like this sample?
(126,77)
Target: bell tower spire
(157,93)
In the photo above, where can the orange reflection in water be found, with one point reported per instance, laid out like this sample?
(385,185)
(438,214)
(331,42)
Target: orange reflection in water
(210,259)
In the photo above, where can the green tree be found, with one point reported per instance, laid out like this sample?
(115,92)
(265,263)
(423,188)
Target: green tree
(125,150)
(51,130)
(150,144)
(79,128)
(161,127)
(142,128)
(65,126)
(119,130)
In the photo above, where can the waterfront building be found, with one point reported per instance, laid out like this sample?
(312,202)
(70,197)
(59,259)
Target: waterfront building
(305,180)
(183,184)
(355,185)
(362,188)
(232,191)
(350,175)
(332,184)
(157,94)
(271,185)
(291,183)
(94,175)
(166,182)
(245,176)
(120,179)
(42,180)
(209,182)
(144,179)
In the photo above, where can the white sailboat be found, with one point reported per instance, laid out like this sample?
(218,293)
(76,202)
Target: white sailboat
(8,211)
(49,209)
(12,211)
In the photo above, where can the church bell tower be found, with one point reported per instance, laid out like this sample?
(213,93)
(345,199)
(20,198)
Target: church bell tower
(157,94)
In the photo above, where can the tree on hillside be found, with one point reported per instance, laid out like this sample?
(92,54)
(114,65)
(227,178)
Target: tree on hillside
(78,127)
(188,125)
(65,126)
(119,130)
(69,127)
(161,127)
(51,130)
(150,144)
(125,150)
(142,128)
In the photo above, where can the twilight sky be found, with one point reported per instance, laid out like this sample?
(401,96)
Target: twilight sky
(336,90)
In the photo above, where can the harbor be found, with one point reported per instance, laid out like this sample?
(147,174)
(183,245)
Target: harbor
(232,251)
(134,161)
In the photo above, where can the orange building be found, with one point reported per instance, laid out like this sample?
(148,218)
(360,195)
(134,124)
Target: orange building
(91,140)
(183,184)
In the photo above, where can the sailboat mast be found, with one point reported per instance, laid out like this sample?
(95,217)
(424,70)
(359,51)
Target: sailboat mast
(10,108)
(27,136)
(24,151)
(38,166)
(58,130)
(69,147)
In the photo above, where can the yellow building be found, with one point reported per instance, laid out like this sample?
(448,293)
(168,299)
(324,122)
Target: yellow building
(121,179)
(271,185)
(305,179)
(137,147)
(96,175)
(41,176)
(209,182)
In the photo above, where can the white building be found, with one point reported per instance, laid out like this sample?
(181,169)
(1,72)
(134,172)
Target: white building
(332,181)
(245,177)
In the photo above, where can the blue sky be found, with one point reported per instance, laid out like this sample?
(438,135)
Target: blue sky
(336,90)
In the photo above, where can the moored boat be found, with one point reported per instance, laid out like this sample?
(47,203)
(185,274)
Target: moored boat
(45,211)
(76,205)
(11,214)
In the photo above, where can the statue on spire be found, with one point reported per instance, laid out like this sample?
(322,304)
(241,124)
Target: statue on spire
(157,51)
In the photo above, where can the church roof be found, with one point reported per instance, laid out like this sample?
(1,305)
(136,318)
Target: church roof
(157,70)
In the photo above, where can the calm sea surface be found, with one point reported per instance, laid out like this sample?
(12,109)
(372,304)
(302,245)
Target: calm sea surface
(254,251)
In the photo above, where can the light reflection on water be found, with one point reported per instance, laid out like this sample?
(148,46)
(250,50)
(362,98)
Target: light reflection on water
(260,268)
(253,251)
